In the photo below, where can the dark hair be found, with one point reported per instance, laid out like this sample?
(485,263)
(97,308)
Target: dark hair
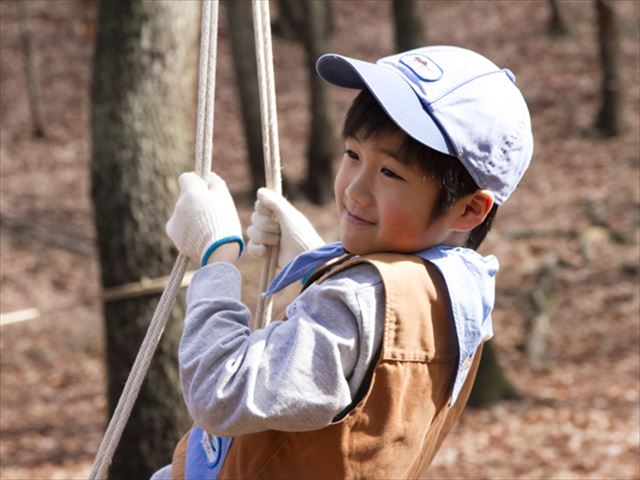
(367,119)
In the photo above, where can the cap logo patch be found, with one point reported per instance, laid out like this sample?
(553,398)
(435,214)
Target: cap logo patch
(422,66)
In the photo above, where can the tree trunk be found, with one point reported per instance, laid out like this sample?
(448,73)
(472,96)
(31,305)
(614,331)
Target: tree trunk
(543,302)
(408,25)
(290,23)
(321,147)
(143,106)
(610,119)
(491,384)
(246,73)
(30,71)
(557,26)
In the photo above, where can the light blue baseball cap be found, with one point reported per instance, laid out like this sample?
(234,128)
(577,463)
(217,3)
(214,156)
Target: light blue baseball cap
(453,100)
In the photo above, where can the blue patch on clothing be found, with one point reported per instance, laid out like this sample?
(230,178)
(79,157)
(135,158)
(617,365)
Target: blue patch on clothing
(205,454)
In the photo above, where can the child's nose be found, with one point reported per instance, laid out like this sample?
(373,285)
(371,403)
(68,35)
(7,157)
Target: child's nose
(359,189)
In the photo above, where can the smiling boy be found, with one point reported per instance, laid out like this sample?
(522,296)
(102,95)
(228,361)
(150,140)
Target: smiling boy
(373,362)
(386,205)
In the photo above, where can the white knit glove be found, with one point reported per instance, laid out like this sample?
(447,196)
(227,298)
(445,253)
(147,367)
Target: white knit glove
(275,221)
(203,215)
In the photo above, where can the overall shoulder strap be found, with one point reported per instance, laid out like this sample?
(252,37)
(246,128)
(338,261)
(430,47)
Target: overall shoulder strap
(418,319)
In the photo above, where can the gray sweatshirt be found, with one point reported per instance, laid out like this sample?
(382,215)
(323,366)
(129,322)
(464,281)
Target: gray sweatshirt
(293,375)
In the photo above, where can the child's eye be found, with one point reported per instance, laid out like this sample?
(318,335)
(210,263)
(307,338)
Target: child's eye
(351,154)
(390,173)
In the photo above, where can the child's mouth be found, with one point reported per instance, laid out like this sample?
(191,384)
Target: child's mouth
(354,219)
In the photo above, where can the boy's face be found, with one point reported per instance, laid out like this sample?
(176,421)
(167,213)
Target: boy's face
(385,205)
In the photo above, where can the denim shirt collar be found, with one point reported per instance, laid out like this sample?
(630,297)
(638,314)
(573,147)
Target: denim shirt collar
(470,280)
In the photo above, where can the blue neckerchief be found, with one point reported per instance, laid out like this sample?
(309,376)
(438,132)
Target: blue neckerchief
(470,280)
(304,265)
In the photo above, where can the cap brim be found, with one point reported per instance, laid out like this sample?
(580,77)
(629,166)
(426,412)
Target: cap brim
(393,93)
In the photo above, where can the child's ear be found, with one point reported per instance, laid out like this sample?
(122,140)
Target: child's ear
(473,209)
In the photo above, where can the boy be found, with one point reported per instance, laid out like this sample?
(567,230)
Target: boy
(378,353)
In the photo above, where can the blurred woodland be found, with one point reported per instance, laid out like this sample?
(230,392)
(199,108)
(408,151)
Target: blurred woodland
(97,104)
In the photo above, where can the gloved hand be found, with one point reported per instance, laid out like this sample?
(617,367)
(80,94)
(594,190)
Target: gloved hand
(203,215)
(275,221)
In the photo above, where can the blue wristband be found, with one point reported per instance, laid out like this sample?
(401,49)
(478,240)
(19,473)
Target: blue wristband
(222,241)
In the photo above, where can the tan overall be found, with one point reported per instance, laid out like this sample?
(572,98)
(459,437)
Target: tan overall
(399,424)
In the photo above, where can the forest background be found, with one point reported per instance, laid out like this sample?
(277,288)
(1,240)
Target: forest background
(569,235)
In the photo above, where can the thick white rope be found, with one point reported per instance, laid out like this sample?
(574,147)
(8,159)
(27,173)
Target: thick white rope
(271,147)
(206,86)
(203,151)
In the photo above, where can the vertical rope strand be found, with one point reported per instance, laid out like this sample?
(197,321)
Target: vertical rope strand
(203,153)
(205,38)
(205,166)
(271,147)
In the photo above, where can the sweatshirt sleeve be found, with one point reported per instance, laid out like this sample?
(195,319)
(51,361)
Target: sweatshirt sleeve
(292,375)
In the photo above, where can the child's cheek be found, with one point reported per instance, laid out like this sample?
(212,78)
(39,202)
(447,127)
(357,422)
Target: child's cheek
(396,220)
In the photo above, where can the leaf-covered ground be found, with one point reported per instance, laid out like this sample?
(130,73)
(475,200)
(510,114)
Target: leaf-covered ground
(570,236)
